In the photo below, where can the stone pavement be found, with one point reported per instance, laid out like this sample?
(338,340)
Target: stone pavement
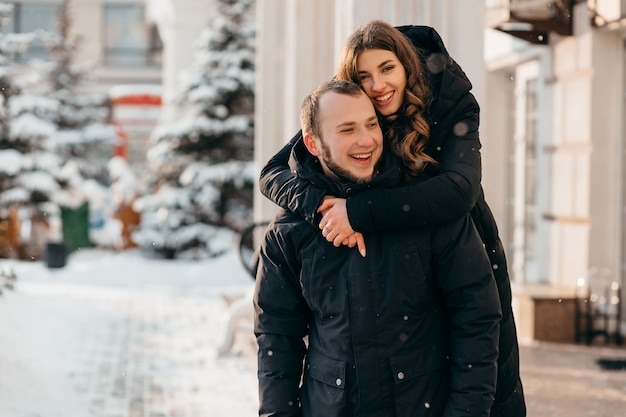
(563,380)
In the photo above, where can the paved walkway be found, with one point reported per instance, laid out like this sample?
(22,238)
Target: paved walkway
(119,353)
(562,380)
(70,350)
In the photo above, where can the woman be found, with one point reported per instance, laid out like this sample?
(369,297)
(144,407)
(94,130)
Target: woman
(425,101)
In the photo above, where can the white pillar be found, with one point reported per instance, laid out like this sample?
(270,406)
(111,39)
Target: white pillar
(180,23)
(294,54)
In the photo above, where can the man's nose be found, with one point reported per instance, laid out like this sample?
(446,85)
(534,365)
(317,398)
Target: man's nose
(365,138)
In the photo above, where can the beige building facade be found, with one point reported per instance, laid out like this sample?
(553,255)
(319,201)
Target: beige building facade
(553,134)
(551,127)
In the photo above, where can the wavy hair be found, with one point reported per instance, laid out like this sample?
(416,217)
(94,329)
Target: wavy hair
(407,130)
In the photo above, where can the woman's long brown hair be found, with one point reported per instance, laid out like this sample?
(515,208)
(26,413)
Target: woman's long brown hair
(409,120)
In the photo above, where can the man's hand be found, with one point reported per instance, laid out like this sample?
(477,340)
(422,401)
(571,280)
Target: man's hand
(336,226)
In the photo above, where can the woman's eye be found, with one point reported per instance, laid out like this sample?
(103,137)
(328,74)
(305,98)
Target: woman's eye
(387,69)
(364,77)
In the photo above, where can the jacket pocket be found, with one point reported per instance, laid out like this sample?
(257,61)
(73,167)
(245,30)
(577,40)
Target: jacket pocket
(323,391)
(417,363)
(326,370)
(422,382)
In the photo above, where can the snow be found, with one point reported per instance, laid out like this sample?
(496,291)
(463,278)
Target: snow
(30,126)
(39,180)
(11,161)
(166,196)
(66,333)
(227,171)
(29,103)
(14,195)
(123,180)
(15,43)
(95,132)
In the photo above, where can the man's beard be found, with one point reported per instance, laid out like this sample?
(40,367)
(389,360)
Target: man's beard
(343,174)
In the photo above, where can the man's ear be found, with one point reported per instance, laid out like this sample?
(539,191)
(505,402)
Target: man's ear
(311,144)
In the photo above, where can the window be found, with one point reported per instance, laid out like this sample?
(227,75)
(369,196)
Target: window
(523,184)
(622,273)
(531,211)
(33,17)
(129,41)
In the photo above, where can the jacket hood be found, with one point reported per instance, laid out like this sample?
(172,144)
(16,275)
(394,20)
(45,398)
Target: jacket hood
(304,165)
(440,69)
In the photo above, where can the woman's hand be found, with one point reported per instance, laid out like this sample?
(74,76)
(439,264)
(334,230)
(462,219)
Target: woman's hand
(336,226)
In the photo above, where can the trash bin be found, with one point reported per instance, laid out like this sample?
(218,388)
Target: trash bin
(75,225)
(55,254)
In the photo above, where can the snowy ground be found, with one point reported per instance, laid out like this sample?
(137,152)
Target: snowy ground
(120,335)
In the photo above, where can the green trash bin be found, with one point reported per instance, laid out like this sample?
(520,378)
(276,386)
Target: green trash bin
(75,225)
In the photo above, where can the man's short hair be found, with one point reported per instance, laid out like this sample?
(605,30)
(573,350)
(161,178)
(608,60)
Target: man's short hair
(310,111)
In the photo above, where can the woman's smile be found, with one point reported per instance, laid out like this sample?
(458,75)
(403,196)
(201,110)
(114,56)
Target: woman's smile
(383,78)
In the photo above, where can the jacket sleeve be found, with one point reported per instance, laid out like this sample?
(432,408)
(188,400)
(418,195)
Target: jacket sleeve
(280,323)
(470,294)
(278,184)
(444,197)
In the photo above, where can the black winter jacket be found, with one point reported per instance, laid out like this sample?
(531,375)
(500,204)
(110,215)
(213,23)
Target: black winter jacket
(454,117)
(410,330)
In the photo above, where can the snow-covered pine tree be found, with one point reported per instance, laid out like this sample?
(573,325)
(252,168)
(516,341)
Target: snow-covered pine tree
(11,46)
(83,137)
(54,135)
(201,166)
(17,167)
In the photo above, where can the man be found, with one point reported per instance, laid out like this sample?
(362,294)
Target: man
(409,330)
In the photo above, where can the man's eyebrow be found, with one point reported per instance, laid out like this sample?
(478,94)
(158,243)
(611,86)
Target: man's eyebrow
(351,123)
(345,124)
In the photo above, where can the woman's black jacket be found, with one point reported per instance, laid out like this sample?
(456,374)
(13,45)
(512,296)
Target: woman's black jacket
(454,117)
(410,330)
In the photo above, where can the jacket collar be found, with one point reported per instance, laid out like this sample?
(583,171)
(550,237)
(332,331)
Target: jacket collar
(307,166)
(440,68)
(446,80)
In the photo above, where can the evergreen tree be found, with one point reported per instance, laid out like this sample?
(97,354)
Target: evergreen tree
(11,46)
(83,136)
(20,180)
(15,148)
(53,136)
(201,166)
(57,129)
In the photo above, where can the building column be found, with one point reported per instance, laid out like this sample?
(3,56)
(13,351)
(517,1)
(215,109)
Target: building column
(180,23)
